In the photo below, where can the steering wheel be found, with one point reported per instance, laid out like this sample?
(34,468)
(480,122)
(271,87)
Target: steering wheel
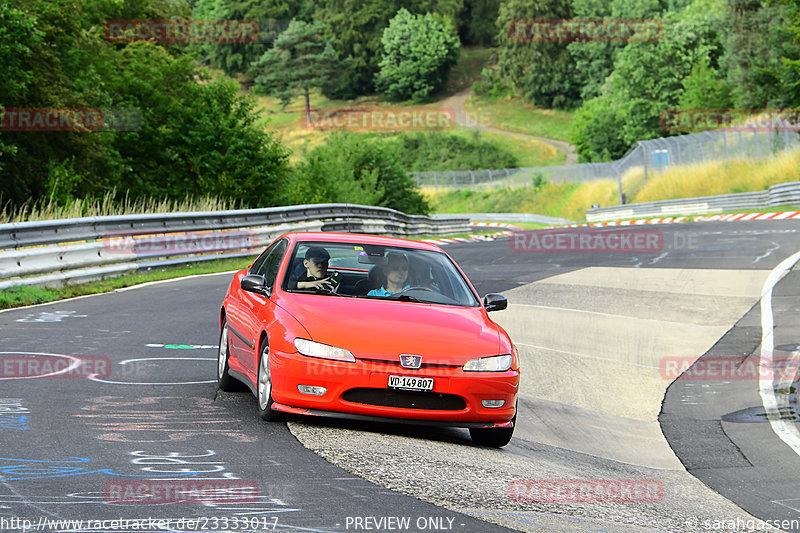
(417,288)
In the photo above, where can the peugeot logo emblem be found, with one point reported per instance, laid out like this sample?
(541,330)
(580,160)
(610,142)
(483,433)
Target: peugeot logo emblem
(410,361)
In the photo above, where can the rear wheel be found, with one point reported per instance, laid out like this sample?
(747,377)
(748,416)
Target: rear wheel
(264,387)
(224,380)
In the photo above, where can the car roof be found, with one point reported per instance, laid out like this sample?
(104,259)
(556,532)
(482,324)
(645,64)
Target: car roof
(359,238)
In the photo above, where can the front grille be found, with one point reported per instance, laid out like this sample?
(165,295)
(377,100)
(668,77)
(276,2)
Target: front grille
(397,363)
(406,399)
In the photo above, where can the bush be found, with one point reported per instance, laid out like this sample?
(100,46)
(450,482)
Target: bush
(355,168)
(418,53)
(422,151)
(491,85)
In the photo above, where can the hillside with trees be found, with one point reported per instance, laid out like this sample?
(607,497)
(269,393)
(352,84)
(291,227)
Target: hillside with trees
(190,131)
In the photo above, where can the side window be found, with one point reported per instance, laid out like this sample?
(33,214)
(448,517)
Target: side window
(256,266)
(269,267)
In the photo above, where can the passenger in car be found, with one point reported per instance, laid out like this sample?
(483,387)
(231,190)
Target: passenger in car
(397,275)
(315,275)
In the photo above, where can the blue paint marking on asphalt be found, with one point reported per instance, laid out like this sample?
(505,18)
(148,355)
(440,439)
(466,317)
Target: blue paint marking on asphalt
(31,469)
(13,422)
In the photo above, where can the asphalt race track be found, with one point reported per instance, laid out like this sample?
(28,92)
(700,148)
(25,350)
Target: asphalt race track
(109,407)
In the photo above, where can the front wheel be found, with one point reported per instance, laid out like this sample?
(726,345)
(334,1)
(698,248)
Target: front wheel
(225,381)
(264,388)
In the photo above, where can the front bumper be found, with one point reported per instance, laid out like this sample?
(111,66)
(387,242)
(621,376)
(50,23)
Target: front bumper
(351,386)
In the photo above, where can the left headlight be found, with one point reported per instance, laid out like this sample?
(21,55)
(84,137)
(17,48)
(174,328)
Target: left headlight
(323,351)
(497,363)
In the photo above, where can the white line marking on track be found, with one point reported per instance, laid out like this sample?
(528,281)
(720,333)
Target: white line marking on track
(72,366)
(586,356)
(784,429)
(600,313)
(93,378)
(149,283)
(775,246)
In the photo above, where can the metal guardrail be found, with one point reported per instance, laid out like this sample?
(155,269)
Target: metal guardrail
(509,217)
(54,252)
(777,195)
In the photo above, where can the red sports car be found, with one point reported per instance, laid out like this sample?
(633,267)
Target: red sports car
(368,328)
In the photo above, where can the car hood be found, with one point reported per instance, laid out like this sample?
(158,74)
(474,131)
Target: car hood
(383,329)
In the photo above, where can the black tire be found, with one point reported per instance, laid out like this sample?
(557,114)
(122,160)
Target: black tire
(264,387)
(494,437)
(225,381)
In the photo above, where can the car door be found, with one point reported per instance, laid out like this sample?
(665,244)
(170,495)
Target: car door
(257,310)
(238,345)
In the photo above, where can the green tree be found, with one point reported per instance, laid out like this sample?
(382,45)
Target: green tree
(355,168)
(272,16)
(300,60)
(356,28)
(195,138)
(760,51)
(18,37)
(595,60)
(595,129)
(705,89)
(648,78)
(477,26)
(418,54)
(543,73)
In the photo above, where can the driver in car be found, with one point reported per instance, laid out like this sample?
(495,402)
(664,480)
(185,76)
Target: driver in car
(396,275)
(316,271)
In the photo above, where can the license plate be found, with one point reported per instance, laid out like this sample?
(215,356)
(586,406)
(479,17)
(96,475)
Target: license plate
(410,383)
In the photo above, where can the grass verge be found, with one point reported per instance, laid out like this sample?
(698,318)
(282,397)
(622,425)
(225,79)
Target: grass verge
(27,295)
(511,114)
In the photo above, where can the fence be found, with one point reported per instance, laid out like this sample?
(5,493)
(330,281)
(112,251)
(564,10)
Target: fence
(54,252)
(652,156)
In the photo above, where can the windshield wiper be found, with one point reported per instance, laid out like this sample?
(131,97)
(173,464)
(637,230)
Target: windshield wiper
(403,298)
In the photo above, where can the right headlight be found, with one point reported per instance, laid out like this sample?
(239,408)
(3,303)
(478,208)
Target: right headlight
(497,363)
(323,351)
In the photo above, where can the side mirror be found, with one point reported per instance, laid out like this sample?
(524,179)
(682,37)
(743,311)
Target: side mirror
(495,302)
(255,283)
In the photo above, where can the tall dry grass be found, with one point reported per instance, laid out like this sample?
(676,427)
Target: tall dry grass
(47,209)
(708,179)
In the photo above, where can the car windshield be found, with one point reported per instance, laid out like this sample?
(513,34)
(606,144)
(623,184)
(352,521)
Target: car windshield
(381,272)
